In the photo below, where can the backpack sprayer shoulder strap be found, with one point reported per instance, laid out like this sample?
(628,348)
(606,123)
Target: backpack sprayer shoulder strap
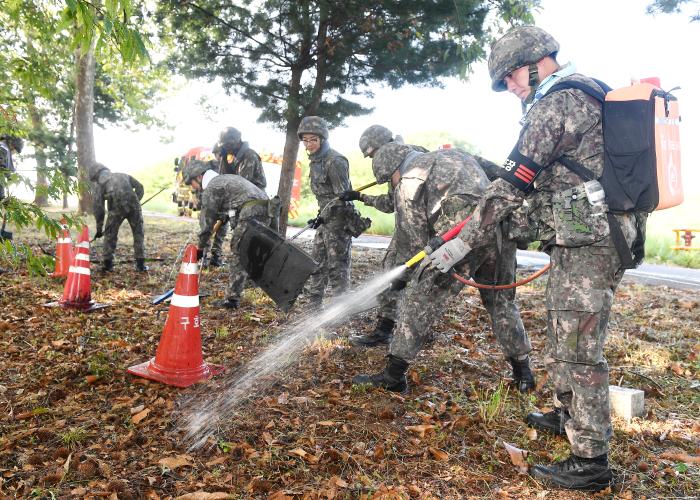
(616,234)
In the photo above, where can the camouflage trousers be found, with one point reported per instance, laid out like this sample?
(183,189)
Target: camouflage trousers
(238,275)
(331,250)
(388,299)
(580,291)
(218,238)
(426,295)
(114,221)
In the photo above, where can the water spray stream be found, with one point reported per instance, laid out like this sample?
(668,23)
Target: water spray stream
(201,418)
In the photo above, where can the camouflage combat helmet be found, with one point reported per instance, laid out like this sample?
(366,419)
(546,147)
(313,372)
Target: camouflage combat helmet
(194,169)
(313,125)
(14,142)
(521,46)
(374,138)
(230,135)
(97,170)
(387,160)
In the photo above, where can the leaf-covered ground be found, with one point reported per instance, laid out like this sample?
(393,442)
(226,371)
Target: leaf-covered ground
(75,424)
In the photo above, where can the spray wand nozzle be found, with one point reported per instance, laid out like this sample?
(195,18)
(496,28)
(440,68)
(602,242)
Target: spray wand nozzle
(436,242)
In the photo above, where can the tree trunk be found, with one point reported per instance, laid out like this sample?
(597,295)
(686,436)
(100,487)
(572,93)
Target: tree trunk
(291,148)
(84,109)
(40,195)
(289,161)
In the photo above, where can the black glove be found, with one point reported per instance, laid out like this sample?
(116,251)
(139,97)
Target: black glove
(99,234)
(434,243)
(315,223)
(349,196)
(200,254)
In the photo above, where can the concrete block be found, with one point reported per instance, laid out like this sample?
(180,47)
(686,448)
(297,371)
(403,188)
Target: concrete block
(626,403)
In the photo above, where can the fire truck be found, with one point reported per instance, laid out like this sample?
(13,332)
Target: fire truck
(187,201)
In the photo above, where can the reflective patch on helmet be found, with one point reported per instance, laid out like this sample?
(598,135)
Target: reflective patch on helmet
(520,171)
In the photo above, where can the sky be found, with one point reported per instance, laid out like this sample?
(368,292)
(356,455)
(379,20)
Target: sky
(614,41)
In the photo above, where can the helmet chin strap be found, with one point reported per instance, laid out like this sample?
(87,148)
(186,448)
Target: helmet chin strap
(533,82)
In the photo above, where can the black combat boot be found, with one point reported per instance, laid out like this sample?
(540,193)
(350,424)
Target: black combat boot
(522,375)
(552,421)
(141,265)
(381,334)
(107,265)
(216,261)
(576,473)
(393,378)
(228,303)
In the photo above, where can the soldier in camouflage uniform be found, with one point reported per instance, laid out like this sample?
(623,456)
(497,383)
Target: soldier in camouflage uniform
(239,158)
(8,145)
(433,192)
(216,257)
(233,198)
(329,177)
(123,194)
(373,138)
(561,126)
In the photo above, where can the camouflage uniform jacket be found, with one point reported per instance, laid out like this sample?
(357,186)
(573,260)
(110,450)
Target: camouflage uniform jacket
(223,194)
(567,122)
(6,165)
(329,174)
(6,157)
(433,188)
(246,163)
(122,193)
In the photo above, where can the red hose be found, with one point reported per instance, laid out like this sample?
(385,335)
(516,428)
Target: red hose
(533,276)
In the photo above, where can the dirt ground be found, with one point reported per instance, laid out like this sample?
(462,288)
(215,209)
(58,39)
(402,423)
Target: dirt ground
(75,424)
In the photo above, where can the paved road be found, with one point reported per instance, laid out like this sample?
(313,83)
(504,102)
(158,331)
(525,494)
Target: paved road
(648,274)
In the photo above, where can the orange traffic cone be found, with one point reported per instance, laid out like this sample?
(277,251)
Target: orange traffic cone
(77,291)
(178,359)
(64,252)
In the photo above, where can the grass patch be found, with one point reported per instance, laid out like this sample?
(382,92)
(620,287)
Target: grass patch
(100,365)
(658,251)
(491,403)
(74,437)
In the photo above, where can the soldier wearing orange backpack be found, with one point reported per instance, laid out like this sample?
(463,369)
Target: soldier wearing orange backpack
(571,217)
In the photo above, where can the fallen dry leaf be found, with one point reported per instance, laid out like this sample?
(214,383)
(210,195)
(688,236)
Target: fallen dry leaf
(217,461)
(541,381)
(337,482)
(464,342)
(677,369)
(518,457)
(267,437)
(173,463)
(439,455)
(531,434)
(299,452)
(91,379)
(279,495)
(136,409)
(421,430)
(679,456)
(689,305)
(140,415)
(203,495)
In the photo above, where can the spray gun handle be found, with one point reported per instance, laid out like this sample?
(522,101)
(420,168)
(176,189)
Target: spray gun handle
(438,241)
